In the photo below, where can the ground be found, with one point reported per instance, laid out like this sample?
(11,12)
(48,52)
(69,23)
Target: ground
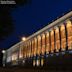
(17,69)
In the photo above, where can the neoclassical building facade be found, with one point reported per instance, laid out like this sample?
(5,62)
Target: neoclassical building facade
(54,38)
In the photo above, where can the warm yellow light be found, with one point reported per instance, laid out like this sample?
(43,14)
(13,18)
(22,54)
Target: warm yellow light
(33,62)
(21,56)
(62,27)
(42,62)
(38,62)
(69,24)
(3,51)
(23,39)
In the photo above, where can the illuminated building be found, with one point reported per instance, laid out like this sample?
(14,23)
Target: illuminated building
(56,37)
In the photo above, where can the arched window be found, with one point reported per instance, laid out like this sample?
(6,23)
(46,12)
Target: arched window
(39,45)
(47,42)
(43,43)
(57,39)
(63,38)
(69,32)
(52,40)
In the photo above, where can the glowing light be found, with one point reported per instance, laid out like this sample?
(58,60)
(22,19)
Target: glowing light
(23,39)
(3,51)
(42,62)
(33,62)
(38,62)
(23,61)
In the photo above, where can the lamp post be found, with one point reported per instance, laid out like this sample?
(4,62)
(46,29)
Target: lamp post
(3,51)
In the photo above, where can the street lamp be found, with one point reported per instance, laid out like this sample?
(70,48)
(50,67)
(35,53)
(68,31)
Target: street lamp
(3,51)
(23,38)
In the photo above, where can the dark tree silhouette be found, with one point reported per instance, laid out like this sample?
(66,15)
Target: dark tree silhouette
(6,23)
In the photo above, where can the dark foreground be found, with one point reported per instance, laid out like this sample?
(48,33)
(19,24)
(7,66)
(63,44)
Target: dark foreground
(59,63)
(21,69)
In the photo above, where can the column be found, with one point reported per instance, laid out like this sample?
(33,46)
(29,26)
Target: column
(43,44)
(63,37)
(39,45)
(35,47)
(47,43)
(57,39)
(69,34)
(52,40)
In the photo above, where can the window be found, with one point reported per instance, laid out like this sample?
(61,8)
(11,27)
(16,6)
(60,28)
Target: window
(14,56)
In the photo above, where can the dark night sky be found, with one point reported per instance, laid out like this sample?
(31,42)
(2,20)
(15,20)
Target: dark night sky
(30,18)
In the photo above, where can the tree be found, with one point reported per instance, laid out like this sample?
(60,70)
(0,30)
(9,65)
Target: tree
(6,23)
